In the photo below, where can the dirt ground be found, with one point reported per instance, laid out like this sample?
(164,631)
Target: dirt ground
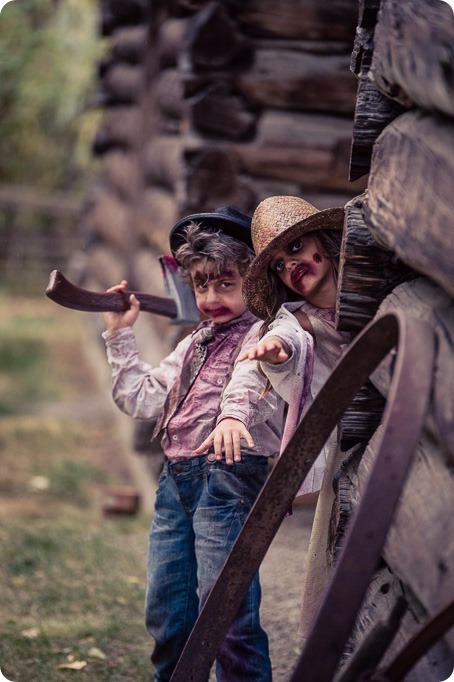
(282,570)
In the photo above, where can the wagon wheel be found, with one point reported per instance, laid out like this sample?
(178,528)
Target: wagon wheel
(403,419)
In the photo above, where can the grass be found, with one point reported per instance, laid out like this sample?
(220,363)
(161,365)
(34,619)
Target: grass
(73,582)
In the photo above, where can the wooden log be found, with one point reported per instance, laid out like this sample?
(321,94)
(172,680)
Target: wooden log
(163,161)
(212,39)
(115,13)
(160,213)
(217,111)
(301,19)
(368,272)
(213,179)
(413,54)
(373,113)
(118,130)
(170,40)
(408,207)
(301,148)
(129,44)
(105,267)
(168,93)
(121,84)
(108,217)
(295,80)
(120,172)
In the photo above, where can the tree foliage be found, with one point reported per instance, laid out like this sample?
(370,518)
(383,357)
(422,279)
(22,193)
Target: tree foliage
(48,55)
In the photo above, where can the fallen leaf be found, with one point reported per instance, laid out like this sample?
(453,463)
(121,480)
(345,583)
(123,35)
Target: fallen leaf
(77,665)
(31,633)
(97,653)
(39,483)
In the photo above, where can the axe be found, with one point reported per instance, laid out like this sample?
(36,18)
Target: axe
(180,307)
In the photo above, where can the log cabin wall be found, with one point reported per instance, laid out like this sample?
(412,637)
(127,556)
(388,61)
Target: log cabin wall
(207,104)
(398,254)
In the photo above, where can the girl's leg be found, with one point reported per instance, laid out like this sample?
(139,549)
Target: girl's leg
(171,601)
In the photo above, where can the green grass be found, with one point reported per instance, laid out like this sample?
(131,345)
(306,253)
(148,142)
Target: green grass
(73,582)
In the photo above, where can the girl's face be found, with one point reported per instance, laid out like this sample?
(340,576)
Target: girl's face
(218,297)
(305,269)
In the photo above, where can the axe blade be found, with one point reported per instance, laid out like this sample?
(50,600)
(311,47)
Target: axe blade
(178,290)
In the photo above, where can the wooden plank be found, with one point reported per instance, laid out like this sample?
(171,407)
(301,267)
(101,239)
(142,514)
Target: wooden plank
(413,55)
(303,148)
(409,202)
(294,80)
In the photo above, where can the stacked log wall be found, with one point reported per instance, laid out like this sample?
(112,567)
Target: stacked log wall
(207,104)
(402,224)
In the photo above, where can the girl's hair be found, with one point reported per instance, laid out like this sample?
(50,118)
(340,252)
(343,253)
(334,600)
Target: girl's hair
(329,242)
(212,246)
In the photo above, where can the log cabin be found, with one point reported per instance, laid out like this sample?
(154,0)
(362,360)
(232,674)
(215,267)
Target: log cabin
(344,103)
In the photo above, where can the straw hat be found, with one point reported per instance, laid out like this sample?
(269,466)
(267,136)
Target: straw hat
(277,221)
(225,218)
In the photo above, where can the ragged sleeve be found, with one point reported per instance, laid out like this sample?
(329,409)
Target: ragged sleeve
(139,389)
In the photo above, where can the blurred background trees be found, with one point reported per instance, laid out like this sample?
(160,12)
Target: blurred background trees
(48,49)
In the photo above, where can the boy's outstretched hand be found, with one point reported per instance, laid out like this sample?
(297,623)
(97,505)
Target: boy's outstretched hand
(272,349)
(115,321)
(227,435)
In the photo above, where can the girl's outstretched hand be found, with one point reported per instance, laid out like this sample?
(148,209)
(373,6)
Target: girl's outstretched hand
(115,321)
(273,350)
(227,435)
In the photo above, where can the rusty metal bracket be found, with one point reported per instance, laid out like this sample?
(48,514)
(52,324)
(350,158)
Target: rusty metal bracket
(403,418)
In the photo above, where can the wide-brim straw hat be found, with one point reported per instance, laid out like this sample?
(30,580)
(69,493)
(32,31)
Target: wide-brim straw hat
(277,221)
(227,219)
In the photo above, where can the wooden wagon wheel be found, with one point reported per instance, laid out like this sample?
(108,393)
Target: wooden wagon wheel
(403,419)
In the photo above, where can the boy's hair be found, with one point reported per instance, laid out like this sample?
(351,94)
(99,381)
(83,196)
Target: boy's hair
(330,245)
(212,246)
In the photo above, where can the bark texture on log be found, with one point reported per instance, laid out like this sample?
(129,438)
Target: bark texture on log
(368,272)
(118,130)
(407,208)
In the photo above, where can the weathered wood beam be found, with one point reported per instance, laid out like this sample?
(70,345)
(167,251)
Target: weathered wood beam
(170,40)
(413,58)
(408,207)
(218,111)
(307,149)
(118,130)
(116,13)
(159,214)
(120,84)
(373,113)
(168,93)
(163,161)
(212,40)
(368,272)
(108,218)
(129,44)
(300,19)
(120,171)
(300,81)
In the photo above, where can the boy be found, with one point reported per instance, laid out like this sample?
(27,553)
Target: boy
(202,499)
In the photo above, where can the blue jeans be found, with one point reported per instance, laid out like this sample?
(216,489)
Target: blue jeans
(199,511)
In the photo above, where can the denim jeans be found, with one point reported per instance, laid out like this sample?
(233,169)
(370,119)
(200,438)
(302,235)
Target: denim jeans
(199,511)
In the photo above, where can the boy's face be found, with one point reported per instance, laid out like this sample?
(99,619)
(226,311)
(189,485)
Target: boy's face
(220,297)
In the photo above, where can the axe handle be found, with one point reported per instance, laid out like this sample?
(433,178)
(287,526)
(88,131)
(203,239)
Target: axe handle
(61,291)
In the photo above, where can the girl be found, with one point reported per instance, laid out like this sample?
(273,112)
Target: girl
(292,286)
